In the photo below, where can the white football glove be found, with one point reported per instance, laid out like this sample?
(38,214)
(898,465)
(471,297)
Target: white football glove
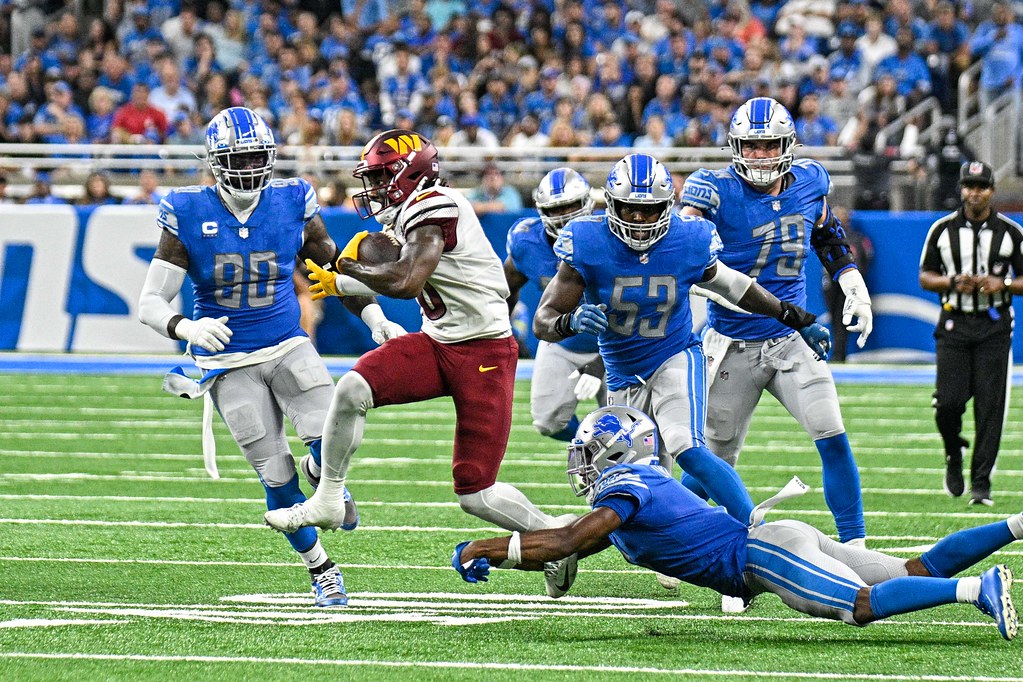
(857,304)
(380,327)
(206,332)
(387,330)
(587,385)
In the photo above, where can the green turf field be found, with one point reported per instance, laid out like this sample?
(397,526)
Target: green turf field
(121,559)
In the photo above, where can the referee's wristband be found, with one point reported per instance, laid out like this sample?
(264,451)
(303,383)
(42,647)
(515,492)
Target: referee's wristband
(563,326)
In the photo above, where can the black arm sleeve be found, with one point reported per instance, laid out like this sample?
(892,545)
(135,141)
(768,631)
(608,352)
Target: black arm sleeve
(832,246)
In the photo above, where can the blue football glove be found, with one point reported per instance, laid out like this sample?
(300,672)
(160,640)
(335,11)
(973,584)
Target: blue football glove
(588,318)
(476,571)
(818,338)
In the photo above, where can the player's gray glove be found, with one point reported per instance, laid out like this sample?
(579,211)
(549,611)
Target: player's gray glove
(206,332)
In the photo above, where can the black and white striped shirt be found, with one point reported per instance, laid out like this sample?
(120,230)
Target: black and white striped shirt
(956,246)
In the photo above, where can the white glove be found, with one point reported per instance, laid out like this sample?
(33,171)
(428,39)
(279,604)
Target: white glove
(380,327)
(587,385)
(857,304)
(387,330)
(205,332)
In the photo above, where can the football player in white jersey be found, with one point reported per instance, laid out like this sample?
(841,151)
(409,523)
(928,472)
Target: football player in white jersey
(465,348)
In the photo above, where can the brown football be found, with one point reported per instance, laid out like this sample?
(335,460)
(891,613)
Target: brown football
(379,247)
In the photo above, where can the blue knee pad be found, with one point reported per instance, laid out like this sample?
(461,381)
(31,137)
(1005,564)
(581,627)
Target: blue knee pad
(568,433)
(314,450)
(287,495)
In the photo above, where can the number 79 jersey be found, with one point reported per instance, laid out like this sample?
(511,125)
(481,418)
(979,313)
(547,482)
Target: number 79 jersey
(243,271)
(764,236)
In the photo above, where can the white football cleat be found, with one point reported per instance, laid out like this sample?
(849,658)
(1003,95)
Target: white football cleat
(312,512)
(667,581)
(732,604)
(558,576)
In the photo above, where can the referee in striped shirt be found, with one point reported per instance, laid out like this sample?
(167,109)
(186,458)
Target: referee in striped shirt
(973,260)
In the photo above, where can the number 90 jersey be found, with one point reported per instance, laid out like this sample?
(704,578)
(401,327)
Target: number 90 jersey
(240,270)
(764,236)
(646,292)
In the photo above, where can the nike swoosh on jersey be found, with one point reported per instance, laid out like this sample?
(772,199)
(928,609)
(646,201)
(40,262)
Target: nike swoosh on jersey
(487,369)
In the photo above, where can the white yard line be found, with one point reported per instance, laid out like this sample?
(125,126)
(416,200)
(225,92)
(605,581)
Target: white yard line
(477,665)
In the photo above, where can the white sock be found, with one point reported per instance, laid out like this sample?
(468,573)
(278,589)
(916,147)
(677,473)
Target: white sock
(1016,526)
(505,506)
(314,556)
(968,590)
(314,468)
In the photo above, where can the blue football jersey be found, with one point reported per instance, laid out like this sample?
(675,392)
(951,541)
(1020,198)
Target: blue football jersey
(240,270)
(668,529)
(764,236)
(646,293)
(533,257)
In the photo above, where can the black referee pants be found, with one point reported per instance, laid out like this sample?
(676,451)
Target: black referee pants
(973,356)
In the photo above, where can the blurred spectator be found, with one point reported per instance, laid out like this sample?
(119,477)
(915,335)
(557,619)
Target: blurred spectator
(839,104)
(367,14)
(116,76)
(96,191)
(655,134)
(610,134)
(181,31)
(203,62)
(99,39)
(214,96)
(813,17)
(341,127)
(140,31)
(912,78)
(813,129)
(48,123)
(947,51)
(171,97)
(497,107)
(183,130)
(945,158)
(874,46)
(540,103)
(667,106)
(137,121)
(4,199)
(819,79)
(473,134)
(42,191)
(231,44)
(492,195)
(445,132)
(848,59)
(148,191)
(999,44)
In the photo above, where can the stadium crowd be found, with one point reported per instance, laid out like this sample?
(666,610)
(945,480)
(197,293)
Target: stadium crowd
(520,73)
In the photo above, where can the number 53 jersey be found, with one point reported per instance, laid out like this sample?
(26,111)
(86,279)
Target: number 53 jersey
(764,236)
(243,271)
(646,292)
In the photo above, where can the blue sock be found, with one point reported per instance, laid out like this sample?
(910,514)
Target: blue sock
(842,486)
(694,486)
(285,496)
(962,549)
(568,433)
(314,450)
(719,479)
(911,593)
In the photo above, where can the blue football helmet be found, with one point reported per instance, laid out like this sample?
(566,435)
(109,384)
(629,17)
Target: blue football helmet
(562,195)
(241,151)
(606,437)
(762,118)
(639,181)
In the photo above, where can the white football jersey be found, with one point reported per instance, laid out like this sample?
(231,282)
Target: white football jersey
(465,297)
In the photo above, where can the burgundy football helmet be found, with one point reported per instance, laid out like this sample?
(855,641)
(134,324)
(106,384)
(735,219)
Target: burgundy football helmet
(393,167)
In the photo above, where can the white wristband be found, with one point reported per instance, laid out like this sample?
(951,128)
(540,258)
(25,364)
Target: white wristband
(852,284)
(373,315)
(514,551)
(349,286)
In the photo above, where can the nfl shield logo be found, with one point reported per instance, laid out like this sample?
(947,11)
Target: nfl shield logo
(776,205)
(976,168)
(644,258)
(243,232)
